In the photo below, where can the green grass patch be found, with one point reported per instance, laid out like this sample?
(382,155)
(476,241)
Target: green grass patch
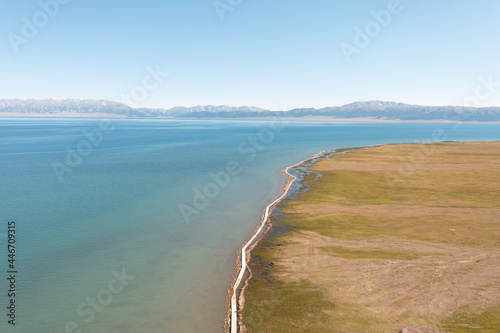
(336,226)
(457,188)
(466,321)
(352,188)
(464,230)
(339,251)
(274,306)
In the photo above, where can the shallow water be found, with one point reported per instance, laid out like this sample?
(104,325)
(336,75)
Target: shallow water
(91,207)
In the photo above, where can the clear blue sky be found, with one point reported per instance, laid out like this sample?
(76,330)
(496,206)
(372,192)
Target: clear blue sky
(267,53)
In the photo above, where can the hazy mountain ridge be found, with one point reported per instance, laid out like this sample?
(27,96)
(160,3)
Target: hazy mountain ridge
(215,109)
(371,109)
(376,110)
(55,106)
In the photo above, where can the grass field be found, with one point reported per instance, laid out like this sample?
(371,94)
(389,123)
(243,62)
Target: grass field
(390,237)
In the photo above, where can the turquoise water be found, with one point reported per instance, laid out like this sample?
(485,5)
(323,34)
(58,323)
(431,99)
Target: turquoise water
(91,207)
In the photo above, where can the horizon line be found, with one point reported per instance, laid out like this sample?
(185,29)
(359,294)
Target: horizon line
(241,106)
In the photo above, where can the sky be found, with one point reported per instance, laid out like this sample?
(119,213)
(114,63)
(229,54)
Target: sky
(272,54)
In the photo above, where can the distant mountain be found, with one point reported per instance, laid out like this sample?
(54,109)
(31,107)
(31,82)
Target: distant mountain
(66,106)
(76,107)
(378,110)
(215,109)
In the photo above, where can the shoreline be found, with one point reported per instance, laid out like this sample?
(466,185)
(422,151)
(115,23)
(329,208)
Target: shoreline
(236,298)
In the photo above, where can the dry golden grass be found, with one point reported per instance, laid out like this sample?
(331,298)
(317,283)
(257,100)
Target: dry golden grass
(393,236)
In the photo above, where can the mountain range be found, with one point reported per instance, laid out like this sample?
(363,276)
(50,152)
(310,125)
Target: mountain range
(376,110)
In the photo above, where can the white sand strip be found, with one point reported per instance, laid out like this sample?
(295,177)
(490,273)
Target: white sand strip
(234,303)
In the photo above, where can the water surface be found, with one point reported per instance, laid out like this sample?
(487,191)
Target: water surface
(92,206)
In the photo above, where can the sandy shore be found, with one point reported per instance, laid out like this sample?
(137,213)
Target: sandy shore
(237,300)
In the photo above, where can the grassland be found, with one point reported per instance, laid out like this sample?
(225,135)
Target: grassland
(390,237)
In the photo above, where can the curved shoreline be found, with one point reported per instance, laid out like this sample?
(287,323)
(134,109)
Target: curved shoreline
(289,285)
(236,295)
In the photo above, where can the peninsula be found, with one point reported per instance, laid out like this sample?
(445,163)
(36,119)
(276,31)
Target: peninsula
(392,238)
